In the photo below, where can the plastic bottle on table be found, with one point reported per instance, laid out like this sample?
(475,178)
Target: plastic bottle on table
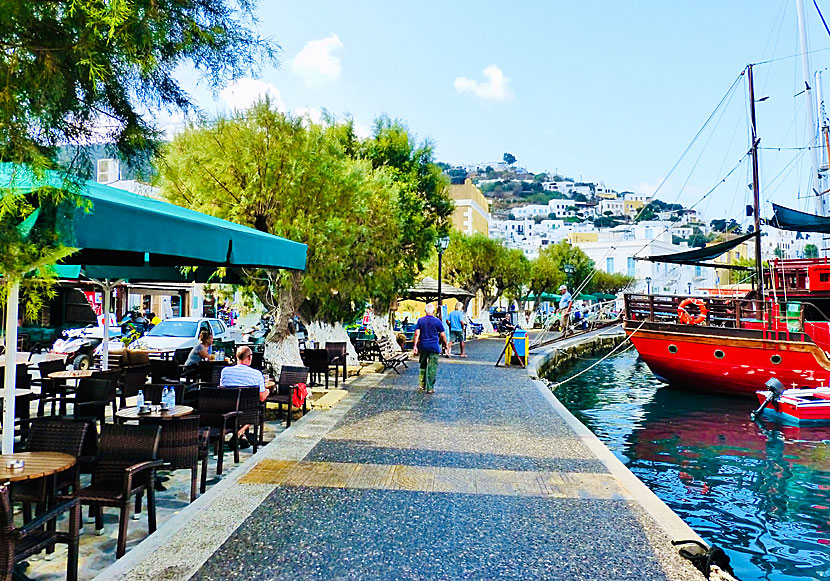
(164,396)
(171,397)
(140,399)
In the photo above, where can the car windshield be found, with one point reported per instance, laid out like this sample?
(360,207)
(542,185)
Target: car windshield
(174,329)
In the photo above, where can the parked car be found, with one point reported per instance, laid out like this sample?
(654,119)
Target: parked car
(183,332)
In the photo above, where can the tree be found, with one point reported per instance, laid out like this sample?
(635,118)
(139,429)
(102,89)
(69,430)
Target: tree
(603,282)
(84,70)
(295,179)
(73,72)
(471,261)
(509,158)
(810,251)
(548,272)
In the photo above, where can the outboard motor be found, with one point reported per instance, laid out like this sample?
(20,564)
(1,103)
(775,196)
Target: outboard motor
(776,389)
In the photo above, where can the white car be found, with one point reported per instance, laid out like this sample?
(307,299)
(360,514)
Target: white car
(183,333)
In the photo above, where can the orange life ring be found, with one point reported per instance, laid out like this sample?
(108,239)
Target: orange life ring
(683,316)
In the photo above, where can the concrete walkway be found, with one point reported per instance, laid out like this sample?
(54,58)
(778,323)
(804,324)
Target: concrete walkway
(485,478)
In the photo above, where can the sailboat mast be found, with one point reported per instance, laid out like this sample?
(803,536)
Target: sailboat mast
(821,204)
(756,187)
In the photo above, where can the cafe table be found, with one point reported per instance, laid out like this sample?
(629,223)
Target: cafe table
(35,465)
(20,357)
(131,413)
(72,374)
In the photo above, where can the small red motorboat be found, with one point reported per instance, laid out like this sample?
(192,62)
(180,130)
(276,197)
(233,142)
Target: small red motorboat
(798,406)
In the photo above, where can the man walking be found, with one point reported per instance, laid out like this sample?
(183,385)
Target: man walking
(429,338)
(565,307)
(458,325)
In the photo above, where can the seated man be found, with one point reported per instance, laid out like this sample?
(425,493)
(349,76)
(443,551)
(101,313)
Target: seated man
(243,375)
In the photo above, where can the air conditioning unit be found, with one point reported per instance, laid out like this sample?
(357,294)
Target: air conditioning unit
(107,171)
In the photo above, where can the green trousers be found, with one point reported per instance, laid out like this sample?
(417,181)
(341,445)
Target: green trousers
(428,371)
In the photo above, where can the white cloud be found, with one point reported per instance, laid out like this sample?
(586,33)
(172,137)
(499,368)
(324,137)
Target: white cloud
(362,131)
(316,62)
(495,88)
(313,114)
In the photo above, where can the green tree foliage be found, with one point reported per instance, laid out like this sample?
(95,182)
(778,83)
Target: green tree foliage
(73,72)
(509,158)
(424,206)
(548,273)
(810,251)
(470,261)
(721,225)
(603,282)
(296,179)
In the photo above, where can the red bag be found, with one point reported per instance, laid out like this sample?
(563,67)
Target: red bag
(298,395)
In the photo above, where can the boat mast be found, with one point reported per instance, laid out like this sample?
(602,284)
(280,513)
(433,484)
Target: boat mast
(813,144)
(823,142)
(756,186)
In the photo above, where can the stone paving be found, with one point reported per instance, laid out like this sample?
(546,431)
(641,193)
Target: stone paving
(482,479)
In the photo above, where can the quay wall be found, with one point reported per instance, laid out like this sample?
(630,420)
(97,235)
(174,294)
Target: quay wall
(553,360)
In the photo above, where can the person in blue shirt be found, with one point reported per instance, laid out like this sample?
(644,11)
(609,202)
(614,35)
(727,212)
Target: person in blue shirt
(429,339)
(457,326)
(565,307)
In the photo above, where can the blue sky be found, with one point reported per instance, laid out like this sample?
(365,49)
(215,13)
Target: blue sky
(606,91)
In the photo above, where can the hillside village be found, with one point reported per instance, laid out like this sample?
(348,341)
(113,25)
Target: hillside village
(530,211)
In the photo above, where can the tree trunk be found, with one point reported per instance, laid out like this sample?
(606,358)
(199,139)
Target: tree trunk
(281,345)
(382,328)
(484,318)
(323,333)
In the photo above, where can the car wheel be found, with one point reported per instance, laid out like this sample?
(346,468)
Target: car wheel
(83,361)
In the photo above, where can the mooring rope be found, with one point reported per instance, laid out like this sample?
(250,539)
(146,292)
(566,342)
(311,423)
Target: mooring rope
(556,384)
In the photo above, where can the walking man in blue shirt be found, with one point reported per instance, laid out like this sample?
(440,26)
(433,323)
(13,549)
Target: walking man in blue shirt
(457,326)
(565,307)
(429,338)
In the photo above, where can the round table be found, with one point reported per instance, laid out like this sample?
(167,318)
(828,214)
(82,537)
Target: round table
(17,392)
(20,357)
(71,374)
(36,465)
(131,413)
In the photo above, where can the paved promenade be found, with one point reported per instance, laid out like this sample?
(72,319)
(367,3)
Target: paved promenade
(483,479)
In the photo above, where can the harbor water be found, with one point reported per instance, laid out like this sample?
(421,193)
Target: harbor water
(761,491)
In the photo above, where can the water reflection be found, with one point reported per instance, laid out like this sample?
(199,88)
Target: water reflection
(759,490)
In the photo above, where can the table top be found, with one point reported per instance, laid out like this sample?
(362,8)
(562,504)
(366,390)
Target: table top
(36,465)
(72,374)
(131,413)
(17,392)
(21,357)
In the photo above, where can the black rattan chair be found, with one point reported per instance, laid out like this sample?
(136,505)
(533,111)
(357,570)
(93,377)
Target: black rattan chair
(317,361)
(132,381)
(251,412)
(179,447)
(287,382)
(164,371)
(337,358)
(51,387)
(126,467)
(19,543)
(219,411)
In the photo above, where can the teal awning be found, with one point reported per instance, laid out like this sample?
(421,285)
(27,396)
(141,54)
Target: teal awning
(126,229)
(136,274)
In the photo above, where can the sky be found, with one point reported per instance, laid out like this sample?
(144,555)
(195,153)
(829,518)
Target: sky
(603,91)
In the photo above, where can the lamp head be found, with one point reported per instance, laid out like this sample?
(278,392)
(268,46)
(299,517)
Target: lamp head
(442,242)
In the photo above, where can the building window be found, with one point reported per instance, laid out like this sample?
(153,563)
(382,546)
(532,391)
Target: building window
(630,266)
(698,271)
(609,264)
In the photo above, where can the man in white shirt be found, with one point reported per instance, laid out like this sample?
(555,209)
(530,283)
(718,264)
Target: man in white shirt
(243,375)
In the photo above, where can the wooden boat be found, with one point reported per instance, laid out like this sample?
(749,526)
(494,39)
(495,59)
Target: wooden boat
(797,406)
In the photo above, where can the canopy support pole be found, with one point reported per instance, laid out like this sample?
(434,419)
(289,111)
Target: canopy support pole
(107,287)
(11,365)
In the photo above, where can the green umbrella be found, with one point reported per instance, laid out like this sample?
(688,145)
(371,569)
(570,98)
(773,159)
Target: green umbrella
(125,235)
(605,296)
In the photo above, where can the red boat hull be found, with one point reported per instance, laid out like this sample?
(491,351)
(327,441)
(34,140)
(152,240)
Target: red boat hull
(798,409)
(729,365)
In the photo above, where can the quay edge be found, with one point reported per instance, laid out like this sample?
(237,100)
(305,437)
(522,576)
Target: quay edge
(556,359)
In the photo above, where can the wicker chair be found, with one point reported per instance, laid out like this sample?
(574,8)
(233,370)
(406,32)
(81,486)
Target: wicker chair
(210,372)
(113,376)
(153,391)
(51,387)
(46,435)
(317,361)
(132,381)
(251,412)
(164,371)
(258,360)
(18,544)
(289,377)
(219,411)
(179,447)
(126,467)
(90,400)
(337,357)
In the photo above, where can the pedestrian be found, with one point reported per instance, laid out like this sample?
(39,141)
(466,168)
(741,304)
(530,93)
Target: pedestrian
(458,325)
(429,339)
(564,306)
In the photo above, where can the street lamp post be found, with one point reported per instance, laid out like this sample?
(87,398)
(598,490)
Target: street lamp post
(441,245)
(648,285)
